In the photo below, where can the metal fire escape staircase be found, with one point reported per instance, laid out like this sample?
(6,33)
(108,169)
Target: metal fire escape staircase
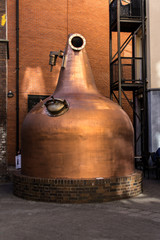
(128,74)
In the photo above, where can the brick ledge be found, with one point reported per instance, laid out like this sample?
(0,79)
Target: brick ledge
(77,190)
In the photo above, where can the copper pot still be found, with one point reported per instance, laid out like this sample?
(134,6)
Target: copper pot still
(77,133)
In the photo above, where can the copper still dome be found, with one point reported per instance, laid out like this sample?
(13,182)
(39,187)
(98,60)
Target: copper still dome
(77,133)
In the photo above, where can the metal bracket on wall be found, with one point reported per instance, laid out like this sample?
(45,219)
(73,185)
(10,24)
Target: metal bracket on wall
(7,42)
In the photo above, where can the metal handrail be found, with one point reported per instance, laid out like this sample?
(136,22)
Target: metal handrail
(136,58)
(127,41)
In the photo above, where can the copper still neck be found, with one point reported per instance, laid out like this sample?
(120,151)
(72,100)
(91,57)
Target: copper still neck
(75,75)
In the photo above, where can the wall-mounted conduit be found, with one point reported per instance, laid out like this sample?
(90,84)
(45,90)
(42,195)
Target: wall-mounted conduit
(17,76)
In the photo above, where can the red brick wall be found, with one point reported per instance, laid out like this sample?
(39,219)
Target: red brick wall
(44,26)
(3,75)
(11,107)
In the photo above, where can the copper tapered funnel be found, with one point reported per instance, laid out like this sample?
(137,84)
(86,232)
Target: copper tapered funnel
(77,133)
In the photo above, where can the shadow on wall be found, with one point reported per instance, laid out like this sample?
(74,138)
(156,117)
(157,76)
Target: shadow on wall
(35,81)
(154,111)
(158,69)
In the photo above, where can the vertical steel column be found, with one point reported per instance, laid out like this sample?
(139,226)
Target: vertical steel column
(145,115)
(119,52)
(134,99)
(110,54)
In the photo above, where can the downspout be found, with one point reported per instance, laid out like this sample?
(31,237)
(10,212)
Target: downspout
(17,76)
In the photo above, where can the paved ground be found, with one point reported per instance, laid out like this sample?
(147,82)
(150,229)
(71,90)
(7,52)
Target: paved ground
(136,218)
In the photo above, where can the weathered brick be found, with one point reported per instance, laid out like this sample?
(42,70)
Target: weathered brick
(38,189)
(3,69)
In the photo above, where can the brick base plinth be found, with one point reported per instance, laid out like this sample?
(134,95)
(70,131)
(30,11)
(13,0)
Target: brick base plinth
(77,191)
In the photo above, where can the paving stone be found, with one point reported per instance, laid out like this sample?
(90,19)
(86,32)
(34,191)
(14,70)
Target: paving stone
(134,218)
